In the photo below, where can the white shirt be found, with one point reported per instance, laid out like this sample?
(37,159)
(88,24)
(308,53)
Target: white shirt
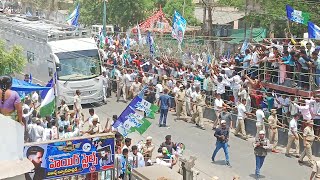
(241,111)
(255,59)
(285,105)
(218,104)
(93,117)
(35,97)
(77,102)
(127,80)
(175,89)
(159,90)
(293,126)
(194,96)
(139,158)
(235,82)
(260,116)
(47,134)
(35,132)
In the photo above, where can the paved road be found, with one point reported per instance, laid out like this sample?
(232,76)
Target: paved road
(200,143)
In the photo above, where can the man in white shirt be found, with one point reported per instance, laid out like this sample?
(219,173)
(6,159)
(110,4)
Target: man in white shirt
(254,63)
(260,120)
(159,90)
(35,98)
(236,82)
(188,99)
(92,116)
(293,135)
(120,84)
(77,104)
(136,159)
(127,81)
(105,80)
(35,131)
(242,113)
(219,106)
(194,96)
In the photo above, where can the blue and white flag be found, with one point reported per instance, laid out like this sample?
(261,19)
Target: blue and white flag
(179,27)
(139,103)
(150,42)
(313,31)
(244,46)
(45,92)
(297,16)
(73,19)
(128,40)
(130,121)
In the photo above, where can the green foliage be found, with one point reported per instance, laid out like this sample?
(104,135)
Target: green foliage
(11,61)
(177,5)
(235,3)
(90,12)
(128,13)
(274,12)
(123,12)
(159,3)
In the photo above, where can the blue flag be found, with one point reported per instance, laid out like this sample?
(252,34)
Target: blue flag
(73,19)
(129,121)
(313,31)
(150,42)
(245,46)
(179,27)
(44,92)
(128,40)
(139,103)
(297,16)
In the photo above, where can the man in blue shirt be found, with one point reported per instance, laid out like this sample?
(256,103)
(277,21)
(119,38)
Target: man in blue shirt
(164,103)
(222,135)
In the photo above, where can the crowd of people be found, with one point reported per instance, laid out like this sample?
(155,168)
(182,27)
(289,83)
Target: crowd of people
(230,87)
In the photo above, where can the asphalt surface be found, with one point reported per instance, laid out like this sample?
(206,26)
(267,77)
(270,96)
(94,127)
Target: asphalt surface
(201,143)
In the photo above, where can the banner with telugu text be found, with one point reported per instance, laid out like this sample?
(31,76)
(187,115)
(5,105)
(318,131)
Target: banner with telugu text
(68,158)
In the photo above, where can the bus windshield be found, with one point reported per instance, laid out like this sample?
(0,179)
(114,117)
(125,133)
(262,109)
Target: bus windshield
(79,65)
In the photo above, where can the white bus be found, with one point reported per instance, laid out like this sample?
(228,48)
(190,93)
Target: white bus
(53,48)
(96,29)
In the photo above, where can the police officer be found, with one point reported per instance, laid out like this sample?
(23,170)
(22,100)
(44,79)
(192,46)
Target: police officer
(308,138)
(261,146)
(200,102)
(315,174)
(181,104)
(273,129)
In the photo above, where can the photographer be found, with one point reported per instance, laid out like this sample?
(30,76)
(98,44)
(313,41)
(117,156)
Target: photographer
(222,135)
(261,145)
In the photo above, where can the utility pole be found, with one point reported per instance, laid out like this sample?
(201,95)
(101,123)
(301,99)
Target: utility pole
(184,4)
(210,22)
(245,23)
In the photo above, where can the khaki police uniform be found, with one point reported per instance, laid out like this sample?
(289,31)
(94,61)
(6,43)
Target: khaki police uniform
(308,134)
(273,130)
(181,104)
(197,117)
(316,170)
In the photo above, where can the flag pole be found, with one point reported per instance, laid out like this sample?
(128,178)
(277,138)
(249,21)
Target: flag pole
(104,22)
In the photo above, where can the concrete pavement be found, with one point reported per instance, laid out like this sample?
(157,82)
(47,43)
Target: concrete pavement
(201,143)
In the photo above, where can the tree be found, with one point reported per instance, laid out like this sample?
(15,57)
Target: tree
(177,5)
(12,60)
(91,12)
(123,12)
(127,13)
(272,14)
